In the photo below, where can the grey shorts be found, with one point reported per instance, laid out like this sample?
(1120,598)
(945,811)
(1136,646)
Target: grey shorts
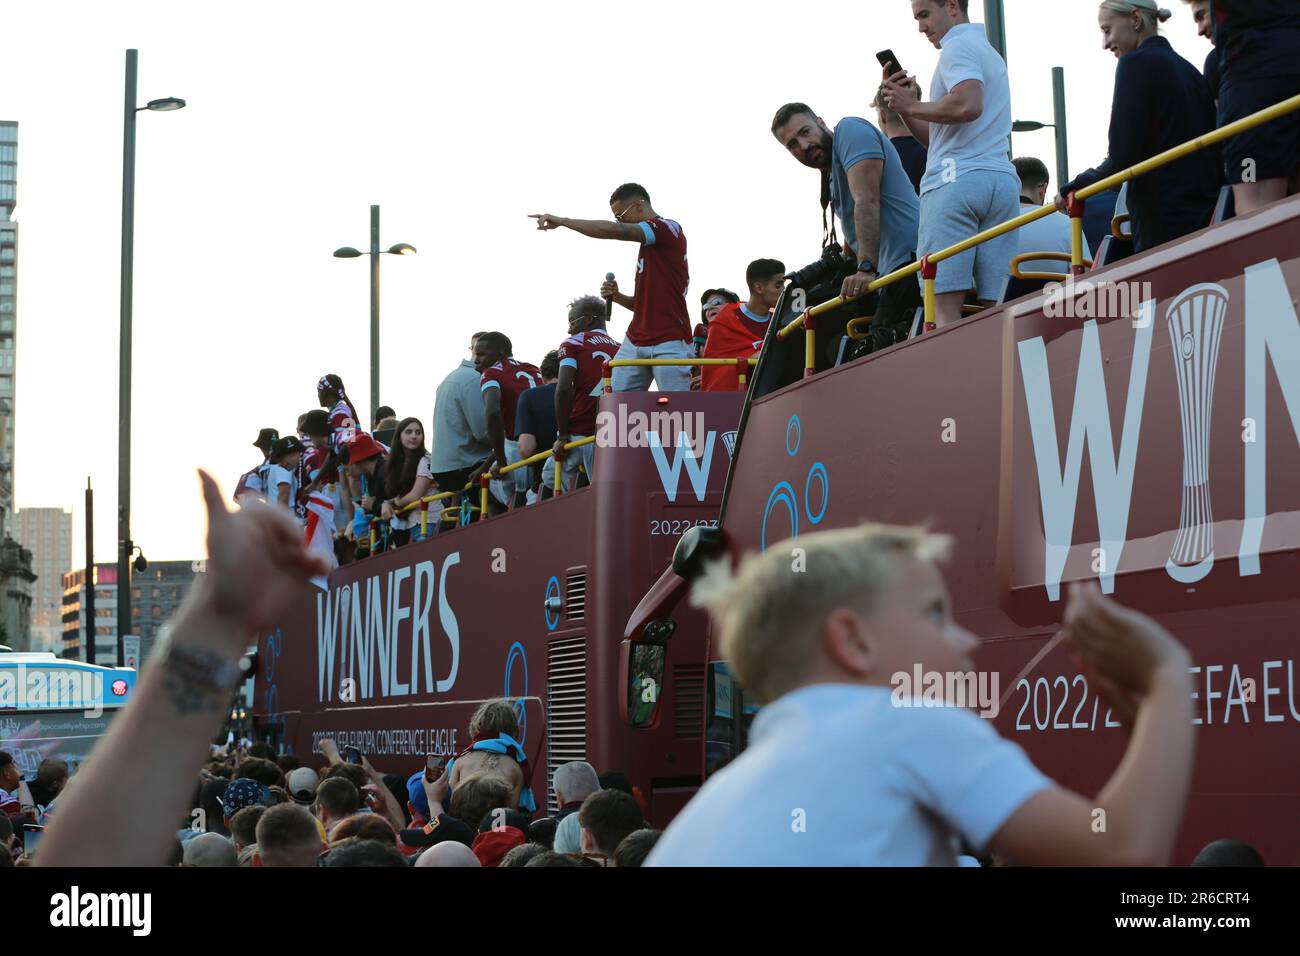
(584,455)
(977,200)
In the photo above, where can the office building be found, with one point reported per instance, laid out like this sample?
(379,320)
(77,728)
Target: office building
(47,534)
(156,594)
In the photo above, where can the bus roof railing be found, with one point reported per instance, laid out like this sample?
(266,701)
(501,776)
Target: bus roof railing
(928,266)
(422,505)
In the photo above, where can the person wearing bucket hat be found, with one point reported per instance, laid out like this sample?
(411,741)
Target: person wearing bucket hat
(252,483)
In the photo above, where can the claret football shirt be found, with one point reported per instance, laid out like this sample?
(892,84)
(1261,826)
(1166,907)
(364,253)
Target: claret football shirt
(512,378)
(659,303)
(586,353)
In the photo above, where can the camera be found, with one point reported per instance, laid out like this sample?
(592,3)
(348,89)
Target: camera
(832,268)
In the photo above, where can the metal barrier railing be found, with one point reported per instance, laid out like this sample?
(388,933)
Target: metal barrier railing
(742,366)
(484,481)
(928,266)
(1024,257)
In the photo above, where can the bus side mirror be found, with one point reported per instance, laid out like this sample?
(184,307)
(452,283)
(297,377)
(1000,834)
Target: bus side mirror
(698,546)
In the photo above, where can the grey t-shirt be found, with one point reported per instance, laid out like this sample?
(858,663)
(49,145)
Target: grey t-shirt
(857,140)
(460,436)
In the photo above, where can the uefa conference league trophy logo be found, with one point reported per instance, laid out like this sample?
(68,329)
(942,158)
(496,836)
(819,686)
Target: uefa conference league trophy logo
(1195,328)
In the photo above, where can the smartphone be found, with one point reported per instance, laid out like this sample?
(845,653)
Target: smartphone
(351,755)
(32,834)
(433,767)
(889,61)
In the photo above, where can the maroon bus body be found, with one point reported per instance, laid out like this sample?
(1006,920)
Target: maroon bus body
(936,430)
(428,631)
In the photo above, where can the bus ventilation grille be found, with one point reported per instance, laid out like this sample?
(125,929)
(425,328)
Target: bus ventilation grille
(566,707)
(575,594)
(688,701)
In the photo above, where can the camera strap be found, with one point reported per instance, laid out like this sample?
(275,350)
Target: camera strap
(828,218)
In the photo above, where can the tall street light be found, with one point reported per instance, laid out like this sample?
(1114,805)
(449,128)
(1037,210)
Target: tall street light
(125,547)
(1062,146)
(347,252)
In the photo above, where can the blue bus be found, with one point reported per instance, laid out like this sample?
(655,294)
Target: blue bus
(53,707)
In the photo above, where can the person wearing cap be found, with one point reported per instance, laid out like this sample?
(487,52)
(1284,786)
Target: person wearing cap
(244,792)
(302,784)
(430,824)
(492,844)
(1161,101)
(251,484)
(282,473)
(367,462)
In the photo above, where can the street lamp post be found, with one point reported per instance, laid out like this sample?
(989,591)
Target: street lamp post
(1062,145)
(347,252)
(125,547)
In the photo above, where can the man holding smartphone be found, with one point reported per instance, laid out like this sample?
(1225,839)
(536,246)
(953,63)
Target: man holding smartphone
(969,183)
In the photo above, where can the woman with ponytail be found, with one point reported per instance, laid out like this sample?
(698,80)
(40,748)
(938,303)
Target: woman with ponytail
(1161,101)
(408,478)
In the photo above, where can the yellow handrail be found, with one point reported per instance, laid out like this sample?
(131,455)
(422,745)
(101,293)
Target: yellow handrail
(1041,256)
(742,364)
(928,264)
(423,503)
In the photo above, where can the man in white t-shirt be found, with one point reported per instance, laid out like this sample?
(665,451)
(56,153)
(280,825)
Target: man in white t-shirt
(844,769)
(969,183)
(1051,234)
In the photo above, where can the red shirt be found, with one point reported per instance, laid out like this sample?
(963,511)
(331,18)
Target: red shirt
(512,377)
(733,333)
(659,304)
(587,353)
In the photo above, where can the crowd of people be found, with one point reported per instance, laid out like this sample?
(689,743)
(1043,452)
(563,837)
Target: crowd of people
(254,807)
(263,809)
(836,771)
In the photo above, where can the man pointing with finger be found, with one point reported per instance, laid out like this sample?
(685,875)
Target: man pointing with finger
(661,325)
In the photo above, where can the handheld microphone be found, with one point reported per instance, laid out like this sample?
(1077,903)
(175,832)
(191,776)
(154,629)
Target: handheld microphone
(609,302)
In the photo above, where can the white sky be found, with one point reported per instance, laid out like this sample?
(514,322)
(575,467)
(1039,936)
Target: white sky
(458,120)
